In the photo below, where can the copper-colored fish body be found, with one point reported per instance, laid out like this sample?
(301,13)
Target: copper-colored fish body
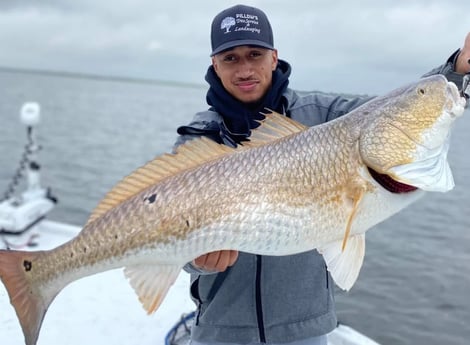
(289,189)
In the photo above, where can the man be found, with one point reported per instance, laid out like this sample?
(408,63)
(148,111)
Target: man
(252,299)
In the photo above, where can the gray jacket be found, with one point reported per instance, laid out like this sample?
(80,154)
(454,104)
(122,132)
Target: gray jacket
(268,299)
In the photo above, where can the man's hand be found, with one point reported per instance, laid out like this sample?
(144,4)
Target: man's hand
(462,65)
(216,261)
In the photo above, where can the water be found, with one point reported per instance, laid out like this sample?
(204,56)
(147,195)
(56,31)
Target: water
(413,287)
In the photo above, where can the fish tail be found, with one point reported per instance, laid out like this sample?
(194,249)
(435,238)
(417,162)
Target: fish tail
(17,272)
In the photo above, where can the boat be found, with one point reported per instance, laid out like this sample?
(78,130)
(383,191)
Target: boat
(98,309)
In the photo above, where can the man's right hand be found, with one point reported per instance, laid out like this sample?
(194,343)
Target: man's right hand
(217,261)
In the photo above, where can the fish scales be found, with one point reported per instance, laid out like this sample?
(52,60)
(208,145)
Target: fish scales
(288,190)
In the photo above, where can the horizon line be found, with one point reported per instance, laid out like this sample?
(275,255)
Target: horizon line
(83,75)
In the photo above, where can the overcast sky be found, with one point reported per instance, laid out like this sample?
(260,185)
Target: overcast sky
(368,46)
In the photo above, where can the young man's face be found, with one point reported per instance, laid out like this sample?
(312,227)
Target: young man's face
(246,71)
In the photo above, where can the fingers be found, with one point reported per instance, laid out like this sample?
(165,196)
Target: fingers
(217,261)
(233,257)
(226,259)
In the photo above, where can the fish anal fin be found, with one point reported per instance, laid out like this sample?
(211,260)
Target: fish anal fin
(345,265)
(151,283)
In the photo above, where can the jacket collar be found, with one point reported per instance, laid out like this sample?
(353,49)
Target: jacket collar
(239,118)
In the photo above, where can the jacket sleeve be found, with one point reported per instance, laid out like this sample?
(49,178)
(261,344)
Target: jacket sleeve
(191,269)
(448,70)
(208,124)
(341,105)
(201,124)
(315,108)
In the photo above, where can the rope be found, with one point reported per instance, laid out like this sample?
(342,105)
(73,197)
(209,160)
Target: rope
(181,330)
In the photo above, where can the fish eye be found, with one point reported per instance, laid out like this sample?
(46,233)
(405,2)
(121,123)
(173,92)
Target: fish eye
(421,91)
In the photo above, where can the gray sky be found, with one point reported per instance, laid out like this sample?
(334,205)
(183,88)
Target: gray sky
(368,46)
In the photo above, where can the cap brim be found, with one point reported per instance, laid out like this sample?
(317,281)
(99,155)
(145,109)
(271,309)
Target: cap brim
(237,43)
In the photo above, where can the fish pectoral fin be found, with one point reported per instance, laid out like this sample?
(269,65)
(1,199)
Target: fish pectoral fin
(356,198)
(151,283)
(344,265)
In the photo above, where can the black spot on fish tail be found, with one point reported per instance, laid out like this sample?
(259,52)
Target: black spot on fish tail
(27,265)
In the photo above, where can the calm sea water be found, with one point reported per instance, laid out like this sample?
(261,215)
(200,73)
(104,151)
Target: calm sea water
(414,285)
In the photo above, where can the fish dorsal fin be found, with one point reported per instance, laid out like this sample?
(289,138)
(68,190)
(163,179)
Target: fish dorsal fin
(151,283)
(274,126)
(188,155)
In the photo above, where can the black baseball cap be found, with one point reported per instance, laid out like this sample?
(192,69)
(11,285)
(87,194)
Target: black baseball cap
(238,26)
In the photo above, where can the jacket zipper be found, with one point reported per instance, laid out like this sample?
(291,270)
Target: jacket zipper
(259,305)
(327,278)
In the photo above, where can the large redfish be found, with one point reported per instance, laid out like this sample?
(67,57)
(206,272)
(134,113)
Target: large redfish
(289,189)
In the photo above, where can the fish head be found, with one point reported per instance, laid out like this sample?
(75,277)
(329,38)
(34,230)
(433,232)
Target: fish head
(406,133)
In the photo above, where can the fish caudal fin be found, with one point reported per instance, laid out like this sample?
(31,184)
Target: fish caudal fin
(151,283)
(345,264)
(17,274)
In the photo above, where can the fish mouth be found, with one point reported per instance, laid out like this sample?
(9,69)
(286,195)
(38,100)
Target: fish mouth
(458,102)
(453,108)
